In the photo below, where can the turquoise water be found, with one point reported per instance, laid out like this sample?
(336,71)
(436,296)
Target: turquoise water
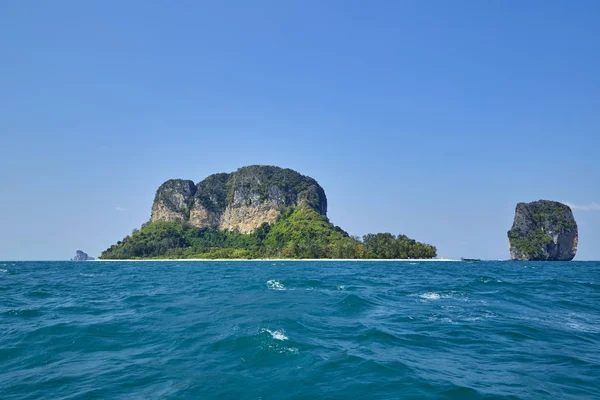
(299,330)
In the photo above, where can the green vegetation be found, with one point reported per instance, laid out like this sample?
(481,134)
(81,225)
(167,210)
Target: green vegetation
(217,190)
(212,192)
(302,229)
(555,215)
(299,232)
(535,223)
(385,245)
(531,244)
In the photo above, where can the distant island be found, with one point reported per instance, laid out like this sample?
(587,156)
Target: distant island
(82,256)
(255,212)
(543,231)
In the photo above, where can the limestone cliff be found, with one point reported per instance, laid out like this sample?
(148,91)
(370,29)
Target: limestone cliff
(544,231)
(240,201)
(82,256)
(173,200)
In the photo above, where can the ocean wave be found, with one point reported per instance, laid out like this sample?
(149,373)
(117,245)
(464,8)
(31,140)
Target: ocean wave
(430,296)
(4,271)
(275,285)
(582,327)
(291,350)
(582,322)
(279,334)
(24,313)
(38,294)
(441,318)
(353,303)
(378,335)
(488,279)
(437,331)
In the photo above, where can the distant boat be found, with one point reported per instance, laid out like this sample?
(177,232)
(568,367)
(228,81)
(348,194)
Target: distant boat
(470,259)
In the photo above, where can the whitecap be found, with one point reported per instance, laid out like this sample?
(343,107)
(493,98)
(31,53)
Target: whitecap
(437,296)
(291,350)
(341,287)
(275,285)
(430,296)
(82,274)
(279,334)
(3,270)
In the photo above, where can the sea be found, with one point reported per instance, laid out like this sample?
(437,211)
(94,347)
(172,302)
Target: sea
(299,330)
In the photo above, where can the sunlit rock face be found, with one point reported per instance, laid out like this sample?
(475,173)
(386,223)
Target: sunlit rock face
(543,231)
(240,201)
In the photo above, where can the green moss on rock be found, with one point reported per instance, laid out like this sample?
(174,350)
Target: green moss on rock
(543,230)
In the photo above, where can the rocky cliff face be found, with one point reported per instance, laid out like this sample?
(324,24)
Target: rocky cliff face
(81,256)
(241,201)
(544,231)
(173,200)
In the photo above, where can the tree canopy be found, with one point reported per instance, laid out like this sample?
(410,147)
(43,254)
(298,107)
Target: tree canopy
(299,232)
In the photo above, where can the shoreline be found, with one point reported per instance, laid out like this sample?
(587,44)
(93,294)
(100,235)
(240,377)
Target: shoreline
(289,259)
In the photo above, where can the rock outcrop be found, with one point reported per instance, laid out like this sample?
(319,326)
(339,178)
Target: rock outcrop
(543,231)
(173,200)
(240,201)
(81,256)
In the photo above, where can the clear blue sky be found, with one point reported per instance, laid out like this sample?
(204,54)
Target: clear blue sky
(429,118)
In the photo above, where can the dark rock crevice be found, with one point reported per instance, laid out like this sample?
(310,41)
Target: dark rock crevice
(242,200)
(543,231)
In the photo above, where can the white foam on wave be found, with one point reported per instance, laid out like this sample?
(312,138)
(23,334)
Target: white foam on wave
(3,270)
(291,350)
(341,287)
(283,350)
(275,285)
(82,274)
(486,314)
(430,296)
(279,334)
(437,296)
(439,318)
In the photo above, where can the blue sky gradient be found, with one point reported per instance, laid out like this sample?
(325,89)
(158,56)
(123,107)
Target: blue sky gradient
(431,119)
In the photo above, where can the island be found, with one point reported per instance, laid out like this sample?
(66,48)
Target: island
(256,212)
(82,256)
(543,231)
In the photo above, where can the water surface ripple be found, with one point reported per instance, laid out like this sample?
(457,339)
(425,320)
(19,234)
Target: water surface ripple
(299,330)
